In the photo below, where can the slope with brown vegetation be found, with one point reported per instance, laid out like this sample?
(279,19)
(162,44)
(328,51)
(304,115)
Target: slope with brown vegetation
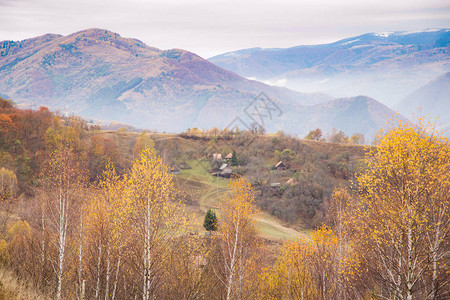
(87,230)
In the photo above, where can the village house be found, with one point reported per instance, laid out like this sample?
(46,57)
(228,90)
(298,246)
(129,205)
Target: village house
(280,166)
(291,181)
(175,170)
(217,156)
(224,171)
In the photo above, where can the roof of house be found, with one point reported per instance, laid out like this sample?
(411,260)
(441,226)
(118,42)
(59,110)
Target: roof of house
(217,156)
(227,171)
(223,166)
(280,164)
(229,155)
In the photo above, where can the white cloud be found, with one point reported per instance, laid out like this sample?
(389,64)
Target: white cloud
(210,26)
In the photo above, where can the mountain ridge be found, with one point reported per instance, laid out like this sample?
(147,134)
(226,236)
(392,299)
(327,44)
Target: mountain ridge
(384,66)
(100,75)
(433,98)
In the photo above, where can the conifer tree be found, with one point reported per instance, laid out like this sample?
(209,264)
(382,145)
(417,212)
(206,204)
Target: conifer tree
(210,222)
(234,159)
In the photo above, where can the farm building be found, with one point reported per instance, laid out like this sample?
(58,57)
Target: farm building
(280,166)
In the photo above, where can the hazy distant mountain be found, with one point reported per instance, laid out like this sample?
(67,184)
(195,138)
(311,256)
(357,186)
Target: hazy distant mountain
(386,66)
(98,74)
(356,114)
(433,98)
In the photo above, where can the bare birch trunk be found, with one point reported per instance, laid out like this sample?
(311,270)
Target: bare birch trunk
(108,257)
(409,274)
(80,257)
(97,287)
(147,253)
(43,247)
(232,262)
(116,277)
(62,230)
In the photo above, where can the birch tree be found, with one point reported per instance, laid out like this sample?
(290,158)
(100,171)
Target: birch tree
(155,217)
(238,241)
(291,277)
(400,223)
(64,180)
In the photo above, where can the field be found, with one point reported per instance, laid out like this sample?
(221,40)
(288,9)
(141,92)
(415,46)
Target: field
(209,190)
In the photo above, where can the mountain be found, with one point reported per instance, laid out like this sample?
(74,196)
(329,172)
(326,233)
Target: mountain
(433,98)
(100,75)
(386,66)
(355,114)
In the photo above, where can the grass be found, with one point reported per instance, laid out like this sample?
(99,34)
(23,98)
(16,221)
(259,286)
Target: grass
(199,171)
(208,190)
(11,288)
(269,231)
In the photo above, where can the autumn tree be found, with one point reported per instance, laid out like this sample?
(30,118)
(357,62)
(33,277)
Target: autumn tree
(155,218)
(291,276)
(337,136)
(400,224)
(314,135)
(144,141)
(344,259)
(64,179)
(238,241)
(357,139)
(8,184)
(102,238)
(185,262)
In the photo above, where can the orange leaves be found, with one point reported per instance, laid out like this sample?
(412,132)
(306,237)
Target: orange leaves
(403,209)
(324,237)
(5,123)
(291,277)
(238,241)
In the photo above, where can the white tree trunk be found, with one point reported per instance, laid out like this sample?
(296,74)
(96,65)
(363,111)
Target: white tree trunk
(43,246)
(97,287)
(62,231)
(80,257)
(147,253)
(116,277)
(108,254)
(232,262)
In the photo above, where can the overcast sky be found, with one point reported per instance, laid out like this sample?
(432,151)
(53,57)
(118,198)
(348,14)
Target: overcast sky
(209,27)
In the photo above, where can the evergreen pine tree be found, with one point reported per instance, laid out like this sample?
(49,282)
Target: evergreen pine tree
(234,159)
(210,222)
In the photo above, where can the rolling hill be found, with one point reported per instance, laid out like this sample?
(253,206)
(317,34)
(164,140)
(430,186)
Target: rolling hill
(385,66)
(102,76)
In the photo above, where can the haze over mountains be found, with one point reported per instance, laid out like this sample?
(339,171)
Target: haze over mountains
(433,98)
(98,74)
(385,66)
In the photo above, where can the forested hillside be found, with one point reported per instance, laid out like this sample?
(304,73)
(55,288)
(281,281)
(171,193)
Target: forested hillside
(88,214)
